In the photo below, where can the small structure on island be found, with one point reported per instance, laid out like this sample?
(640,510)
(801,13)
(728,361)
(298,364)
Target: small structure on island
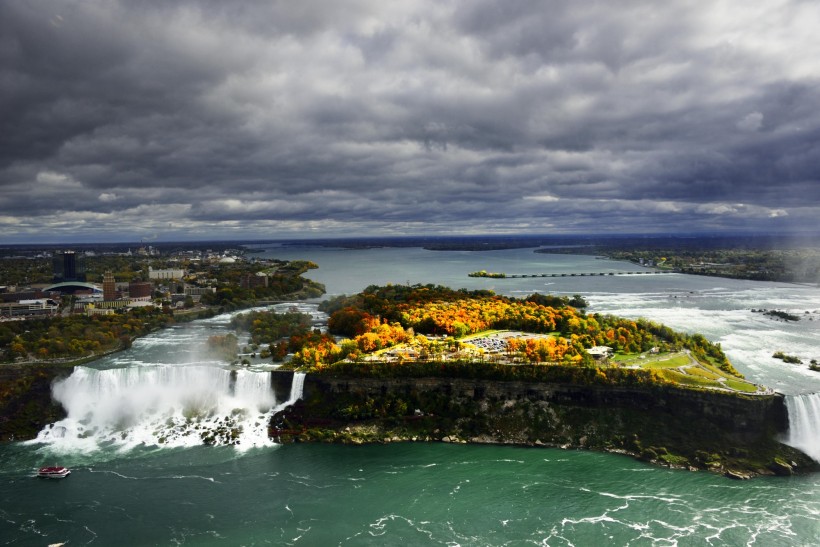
(600,353)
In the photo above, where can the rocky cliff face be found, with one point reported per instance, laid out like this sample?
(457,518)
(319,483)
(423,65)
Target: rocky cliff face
(677,427)
(26,405)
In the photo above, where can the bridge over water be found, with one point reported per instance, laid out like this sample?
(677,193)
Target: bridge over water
(652,272)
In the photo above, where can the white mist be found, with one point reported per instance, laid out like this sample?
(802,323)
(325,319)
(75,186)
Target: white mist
(165,405)
(804,423)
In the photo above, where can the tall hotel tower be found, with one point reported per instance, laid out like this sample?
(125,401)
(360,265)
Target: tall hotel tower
(68,266)
(109,287)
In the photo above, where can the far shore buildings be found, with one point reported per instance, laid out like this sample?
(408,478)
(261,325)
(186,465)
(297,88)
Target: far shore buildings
(68,266)
(165,274)
(26,303)
(139,294)
(196,292)
(40,307)
(140,290)
(109,287)
(104,295)
(254,280)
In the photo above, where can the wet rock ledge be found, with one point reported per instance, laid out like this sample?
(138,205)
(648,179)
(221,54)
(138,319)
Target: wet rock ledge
(733,434)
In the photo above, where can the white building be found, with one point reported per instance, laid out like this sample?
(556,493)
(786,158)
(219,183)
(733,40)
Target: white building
(28,308)
(169,273)
(600,352)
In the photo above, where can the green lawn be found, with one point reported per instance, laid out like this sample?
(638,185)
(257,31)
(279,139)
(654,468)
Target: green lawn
(624,357)
(699,371)
(740,385)
(662,361)
(715,369)
(687,379)
(673,361)
(703,378)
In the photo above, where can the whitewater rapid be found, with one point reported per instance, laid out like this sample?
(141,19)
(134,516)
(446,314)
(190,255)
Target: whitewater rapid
(804,423)
(165,405)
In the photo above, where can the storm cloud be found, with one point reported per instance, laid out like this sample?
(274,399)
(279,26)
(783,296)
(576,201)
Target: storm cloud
(211,119)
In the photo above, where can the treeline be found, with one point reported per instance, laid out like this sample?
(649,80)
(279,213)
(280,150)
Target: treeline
(285,282)
(24,271)
(388,301)
(794,265)
(76,336)
(432,309)
(285,333)
(485,273)
(383,317)
(268,327)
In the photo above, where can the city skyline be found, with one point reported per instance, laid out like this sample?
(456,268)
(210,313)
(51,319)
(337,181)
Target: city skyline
(200,120)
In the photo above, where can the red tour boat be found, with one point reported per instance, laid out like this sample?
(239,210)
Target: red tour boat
(53,472)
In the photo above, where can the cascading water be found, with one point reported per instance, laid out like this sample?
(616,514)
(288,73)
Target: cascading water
(165,406)
(296,390)
(804,423)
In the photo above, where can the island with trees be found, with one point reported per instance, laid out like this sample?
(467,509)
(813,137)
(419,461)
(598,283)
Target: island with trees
(426,362)
(485,273)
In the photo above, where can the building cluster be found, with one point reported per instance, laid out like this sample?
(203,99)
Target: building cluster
(70,279)
(174,284)
(14,307)
(114,296)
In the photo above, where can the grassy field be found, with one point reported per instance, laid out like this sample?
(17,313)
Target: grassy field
(681,368)
(689,379)
(699,371)
(740,385)
(671,362)
(674,360)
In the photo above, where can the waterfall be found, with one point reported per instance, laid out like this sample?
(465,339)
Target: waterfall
(162,405)
(297,387)
(254,388)
(296,390)
(804,423)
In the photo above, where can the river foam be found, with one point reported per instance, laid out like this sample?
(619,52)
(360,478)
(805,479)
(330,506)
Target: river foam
(170,406)
(804,425)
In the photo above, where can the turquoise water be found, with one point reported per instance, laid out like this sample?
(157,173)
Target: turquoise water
(126,493)
(413,494)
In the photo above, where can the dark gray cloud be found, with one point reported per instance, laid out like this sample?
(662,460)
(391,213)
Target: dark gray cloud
(272,118)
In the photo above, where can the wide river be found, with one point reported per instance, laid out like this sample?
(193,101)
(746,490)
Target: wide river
(141,475)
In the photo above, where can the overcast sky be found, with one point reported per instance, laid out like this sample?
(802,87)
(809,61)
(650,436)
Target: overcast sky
(213,119)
